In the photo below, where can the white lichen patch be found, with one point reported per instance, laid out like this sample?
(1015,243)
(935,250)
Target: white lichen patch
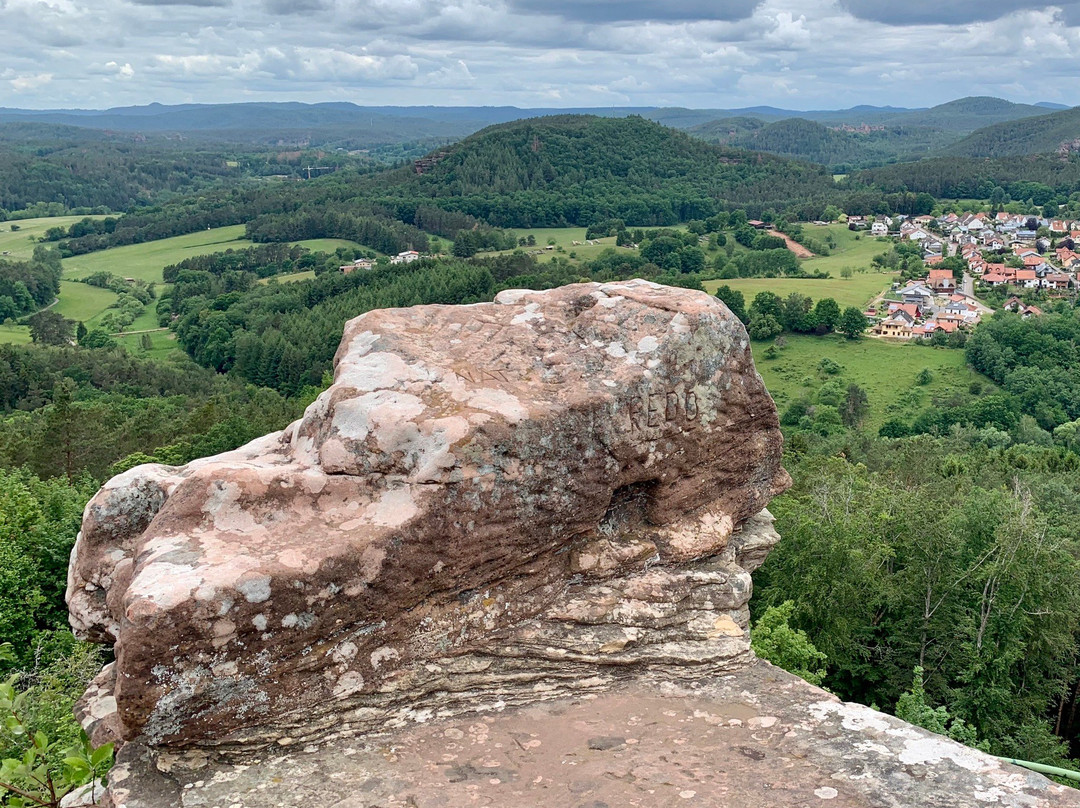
(255,588)
(383,654)
(511,297)
(531,314)
(648,344)
(497,402)
(348,683)
(393,508)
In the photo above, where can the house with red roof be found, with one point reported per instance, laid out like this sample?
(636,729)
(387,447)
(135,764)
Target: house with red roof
(1026,278)
(941,280)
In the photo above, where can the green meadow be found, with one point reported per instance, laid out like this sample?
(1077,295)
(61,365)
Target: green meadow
(293,278)
(563,237)
(86,304)
(162,340)
(20,243)
(853,251)
(885,370)
(145,261)
(81,302)
(854,291)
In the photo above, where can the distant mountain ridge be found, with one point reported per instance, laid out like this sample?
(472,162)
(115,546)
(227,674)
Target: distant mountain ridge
(845,139)
(430,121)
(907,135)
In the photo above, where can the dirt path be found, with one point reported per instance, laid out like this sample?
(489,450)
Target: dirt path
(799,250)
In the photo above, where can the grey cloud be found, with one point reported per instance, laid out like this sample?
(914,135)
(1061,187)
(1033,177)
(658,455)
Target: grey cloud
(295,6)
(197,3)
(929,12)
(601,11)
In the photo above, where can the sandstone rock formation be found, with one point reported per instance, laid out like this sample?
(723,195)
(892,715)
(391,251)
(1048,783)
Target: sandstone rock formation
(493,504)
(504,560)
(753,738)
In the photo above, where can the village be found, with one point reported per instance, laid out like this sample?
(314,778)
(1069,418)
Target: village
(974,263)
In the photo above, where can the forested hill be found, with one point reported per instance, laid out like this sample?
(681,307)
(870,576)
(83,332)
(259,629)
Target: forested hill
(576,169)
(906,135)
(1040,135)
(968,114)
(842,150)
(1039,178)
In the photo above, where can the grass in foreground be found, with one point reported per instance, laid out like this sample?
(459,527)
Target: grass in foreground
(885,370)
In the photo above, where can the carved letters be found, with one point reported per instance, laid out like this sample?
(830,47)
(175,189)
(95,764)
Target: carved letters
(479,375)
(654,409)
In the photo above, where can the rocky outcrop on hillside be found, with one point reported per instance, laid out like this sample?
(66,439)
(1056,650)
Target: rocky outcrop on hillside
(491,503)
(502,523)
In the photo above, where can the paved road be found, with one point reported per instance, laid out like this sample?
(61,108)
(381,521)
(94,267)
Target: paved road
(967,286)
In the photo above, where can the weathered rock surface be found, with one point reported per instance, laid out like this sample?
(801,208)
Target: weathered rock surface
(492,505)
(754,738)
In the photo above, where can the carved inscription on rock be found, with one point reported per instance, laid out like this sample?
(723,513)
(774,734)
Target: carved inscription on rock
(656,408)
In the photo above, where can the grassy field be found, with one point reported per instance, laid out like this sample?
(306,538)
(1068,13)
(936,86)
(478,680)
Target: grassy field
(20,243)
(852,249)
(850,252)
(885,370)
(145,261)
(14,334)
(81,302)
(163,341)
(147,321)
(328,245)
(563,237)
(293,278)
(854,291)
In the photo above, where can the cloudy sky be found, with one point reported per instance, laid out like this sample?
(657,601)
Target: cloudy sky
(810,54)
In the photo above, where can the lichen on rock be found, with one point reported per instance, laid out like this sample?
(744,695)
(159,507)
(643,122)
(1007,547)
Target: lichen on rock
(490,503)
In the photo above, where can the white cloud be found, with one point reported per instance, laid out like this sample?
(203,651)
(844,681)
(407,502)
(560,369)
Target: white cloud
(124,71)
(22,84)
(704,53)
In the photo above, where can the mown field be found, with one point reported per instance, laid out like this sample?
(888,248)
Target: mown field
(852,251)
(81,302)
(563,237)
(163,343)
(853,291)
(307,275)
(87,304)
(145,261)
(885,370)
(20,243)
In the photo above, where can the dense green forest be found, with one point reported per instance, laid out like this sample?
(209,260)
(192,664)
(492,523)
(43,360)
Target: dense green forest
(26,286)
(46,170)
(1041,178)
(1042,135)
(842,151)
